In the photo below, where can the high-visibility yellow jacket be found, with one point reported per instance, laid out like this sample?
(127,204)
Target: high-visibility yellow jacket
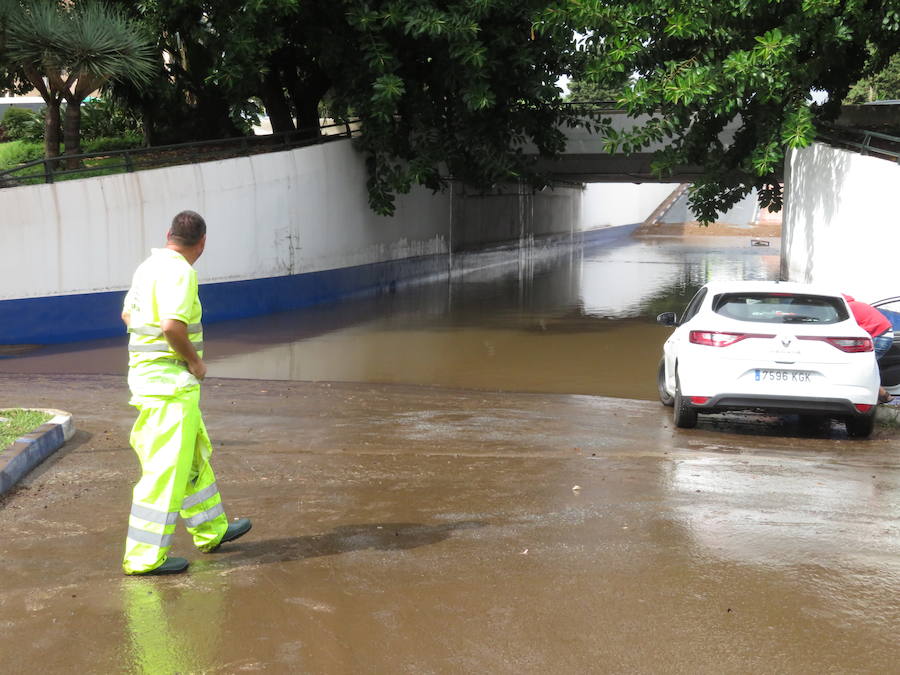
(164,286)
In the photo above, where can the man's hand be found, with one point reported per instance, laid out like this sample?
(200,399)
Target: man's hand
(198,369)
(176,335)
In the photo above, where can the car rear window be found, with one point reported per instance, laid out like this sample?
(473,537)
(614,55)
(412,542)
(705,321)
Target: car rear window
(780,307)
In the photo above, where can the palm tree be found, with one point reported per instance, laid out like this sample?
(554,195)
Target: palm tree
(102,46)
(30,46)
(68,50)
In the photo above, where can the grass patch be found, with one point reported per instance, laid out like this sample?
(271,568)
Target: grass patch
(14,153)
(15,422)
(17,152)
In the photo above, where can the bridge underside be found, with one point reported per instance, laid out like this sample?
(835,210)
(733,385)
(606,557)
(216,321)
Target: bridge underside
(603,168)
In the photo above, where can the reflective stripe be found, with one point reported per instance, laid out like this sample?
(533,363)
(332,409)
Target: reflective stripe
(207,515)
(192,328)
(145,330)
(159,347)
(152,538)
(155,347)
(198,497)
(154,516)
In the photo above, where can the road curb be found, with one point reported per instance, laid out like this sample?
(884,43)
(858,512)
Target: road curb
(33,448)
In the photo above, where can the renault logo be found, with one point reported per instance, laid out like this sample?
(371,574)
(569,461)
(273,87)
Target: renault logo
(785,342)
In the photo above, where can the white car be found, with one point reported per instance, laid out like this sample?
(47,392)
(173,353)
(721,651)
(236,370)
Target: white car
(778,346)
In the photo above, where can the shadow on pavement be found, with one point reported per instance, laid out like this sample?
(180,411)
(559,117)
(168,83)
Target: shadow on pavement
(343,539)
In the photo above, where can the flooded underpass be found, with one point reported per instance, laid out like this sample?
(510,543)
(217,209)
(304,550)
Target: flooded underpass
(507,517)
(560,320)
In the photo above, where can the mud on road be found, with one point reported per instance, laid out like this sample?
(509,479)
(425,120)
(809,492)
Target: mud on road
(413,529)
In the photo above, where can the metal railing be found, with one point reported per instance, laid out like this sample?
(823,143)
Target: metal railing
(48,170)
(869,143)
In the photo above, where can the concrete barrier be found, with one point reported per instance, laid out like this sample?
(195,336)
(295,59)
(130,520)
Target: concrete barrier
(33,448)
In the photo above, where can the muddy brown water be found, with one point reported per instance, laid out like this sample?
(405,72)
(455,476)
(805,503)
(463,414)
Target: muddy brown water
(569,321)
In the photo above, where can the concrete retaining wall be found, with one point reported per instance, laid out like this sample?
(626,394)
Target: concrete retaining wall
(286,230)
(745,212)
(269,215)
(841,223)
(611,204)
(513,213)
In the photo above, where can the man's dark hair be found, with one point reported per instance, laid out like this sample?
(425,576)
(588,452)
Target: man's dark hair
(188,227)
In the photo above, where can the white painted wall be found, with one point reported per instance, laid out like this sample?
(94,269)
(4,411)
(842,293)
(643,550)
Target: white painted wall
(841,223)
(273,214)
(745,212)
(610,204)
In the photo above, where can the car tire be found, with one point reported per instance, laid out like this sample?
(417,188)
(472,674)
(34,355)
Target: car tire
(664,396)
(683,414)
(860,427)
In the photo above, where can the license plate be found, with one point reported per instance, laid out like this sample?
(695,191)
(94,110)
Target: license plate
(770,375)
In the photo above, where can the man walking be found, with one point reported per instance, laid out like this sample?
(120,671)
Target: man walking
(165,367)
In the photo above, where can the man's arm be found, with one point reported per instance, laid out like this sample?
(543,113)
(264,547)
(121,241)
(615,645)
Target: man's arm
(126,317)
(176,335)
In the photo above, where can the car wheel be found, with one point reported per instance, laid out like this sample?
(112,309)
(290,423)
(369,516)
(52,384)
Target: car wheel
(684,415)
(860,427)
(664,396)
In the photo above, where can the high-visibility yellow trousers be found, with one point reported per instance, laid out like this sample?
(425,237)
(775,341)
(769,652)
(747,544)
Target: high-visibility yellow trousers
(173,447)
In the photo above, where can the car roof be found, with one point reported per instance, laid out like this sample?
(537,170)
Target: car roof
(719,287)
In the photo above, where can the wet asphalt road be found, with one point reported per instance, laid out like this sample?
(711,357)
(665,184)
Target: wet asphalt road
(409,529)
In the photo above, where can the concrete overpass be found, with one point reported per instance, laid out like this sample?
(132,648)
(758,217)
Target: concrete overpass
(584,160)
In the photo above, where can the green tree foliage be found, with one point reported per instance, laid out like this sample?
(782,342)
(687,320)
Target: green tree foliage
(207,66)
(447,89)
(441,88)
(586,91)
(22,124)
(883,85)
(105,118)
(701,65)
(66,50)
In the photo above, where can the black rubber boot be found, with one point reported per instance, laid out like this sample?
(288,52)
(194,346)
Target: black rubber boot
(235,530)
(170,566)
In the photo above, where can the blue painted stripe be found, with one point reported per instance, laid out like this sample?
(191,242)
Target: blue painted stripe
(90,316)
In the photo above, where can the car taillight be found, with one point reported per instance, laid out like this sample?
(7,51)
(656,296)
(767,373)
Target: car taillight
(717,339)
(845,344)
(863,407)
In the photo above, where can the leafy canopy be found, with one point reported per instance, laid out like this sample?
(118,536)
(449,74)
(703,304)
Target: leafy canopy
(882,86)
(700,65)
(446,89)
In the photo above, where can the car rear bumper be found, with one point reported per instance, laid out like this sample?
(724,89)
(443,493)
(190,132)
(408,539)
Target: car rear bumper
(782,404)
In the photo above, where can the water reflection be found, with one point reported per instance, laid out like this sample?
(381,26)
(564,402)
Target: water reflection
(636,277)
(568,321)
(785,510)
(170,629)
